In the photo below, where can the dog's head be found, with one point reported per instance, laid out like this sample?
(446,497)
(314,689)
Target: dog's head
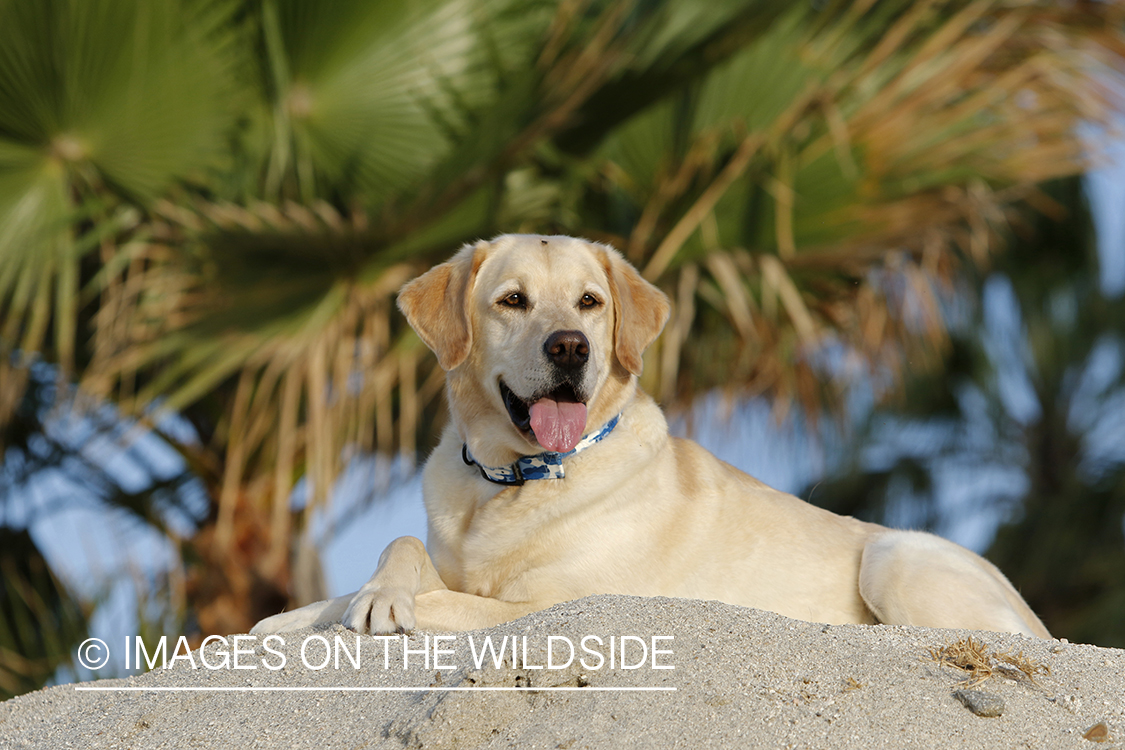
(541,338)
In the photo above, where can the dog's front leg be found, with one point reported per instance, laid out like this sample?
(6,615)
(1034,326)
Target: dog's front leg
(407,592)
(442,609)
(385,604)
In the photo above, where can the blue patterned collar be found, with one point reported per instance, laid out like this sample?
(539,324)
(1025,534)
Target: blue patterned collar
(546,465)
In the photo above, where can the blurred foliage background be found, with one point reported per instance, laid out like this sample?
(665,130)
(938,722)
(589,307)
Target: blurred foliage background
(207,206)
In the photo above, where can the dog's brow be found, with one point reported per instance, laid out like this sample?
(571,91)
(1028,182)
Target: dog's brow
(507,286)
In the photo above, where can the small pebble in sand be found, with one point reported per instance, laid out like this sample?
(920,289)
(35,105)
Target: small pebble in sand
(1097,733)
(980,702)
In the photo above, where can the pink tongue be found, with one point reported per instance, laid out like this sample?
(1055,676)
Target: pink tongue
(558,425)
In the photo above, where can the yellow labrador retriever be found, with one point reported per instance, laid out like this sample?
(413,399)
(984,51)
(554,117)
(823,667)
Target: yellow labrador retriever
(556,477)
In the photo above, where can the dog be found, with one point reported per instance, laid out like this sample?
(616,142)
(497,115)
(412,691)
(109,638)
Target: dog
(556,477)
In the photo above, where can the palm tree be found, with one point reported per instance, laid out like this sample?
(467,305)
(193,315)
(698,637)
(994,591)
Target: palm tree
(206,206)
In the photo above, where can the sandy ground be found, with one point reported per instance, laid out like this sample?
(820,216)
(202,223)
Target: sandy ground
(741,678)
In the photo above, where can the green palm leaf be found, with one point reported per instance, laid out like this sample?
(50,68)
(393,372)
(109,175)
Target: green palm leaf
(372,94)
(97,98)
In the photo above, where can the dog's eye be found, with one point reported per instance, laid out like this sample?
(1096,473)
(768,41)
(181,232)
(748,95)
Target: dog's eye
(515,299)
(588,301)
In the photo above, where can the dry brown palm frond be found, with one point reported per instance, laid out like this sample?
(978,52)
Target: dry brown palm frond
(343,372)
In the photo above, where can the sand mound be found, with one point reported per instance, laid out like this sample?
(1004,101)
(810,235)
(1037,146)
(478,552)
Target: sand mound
(741,677)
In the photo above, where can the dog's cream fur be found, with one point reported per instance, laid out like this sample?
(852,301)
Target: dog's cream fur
(638,513)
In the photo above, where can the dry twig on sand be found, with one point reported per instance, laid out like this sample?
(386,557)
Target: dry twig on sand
(973,657)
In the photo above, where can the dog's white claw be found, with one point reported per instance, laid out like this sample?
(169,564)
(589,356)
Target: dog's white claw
(381,611)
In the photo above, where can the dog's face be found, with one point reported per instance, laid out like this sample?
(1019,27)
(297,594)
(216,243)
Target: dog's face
(541,338)
(543,327)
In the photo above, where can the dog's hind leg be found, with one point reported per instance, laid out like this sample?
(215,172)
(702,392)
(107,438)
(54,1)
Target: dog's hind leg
(915,578)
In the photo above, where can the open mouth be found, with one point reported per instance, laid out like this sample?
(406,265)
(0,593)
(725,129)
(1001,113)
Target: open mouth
(556,420)
(517,408)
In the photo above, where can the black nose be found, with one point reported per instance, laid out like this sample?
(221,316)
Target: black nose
(569,350)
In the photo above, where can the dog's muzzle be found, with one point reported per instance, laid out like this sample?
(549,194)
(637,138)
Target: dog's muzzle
(556,418)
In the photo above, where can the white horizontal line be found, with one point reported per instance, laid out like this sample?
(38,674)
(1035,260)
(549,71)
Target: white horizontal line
(343,688)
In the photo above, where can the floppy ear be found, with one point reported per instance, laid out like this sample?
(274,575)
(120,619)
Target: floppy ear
(640,311)
(436,305)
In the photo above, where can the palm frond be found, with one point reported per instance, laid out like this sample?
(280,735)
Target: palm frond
(78,114)
(906,148)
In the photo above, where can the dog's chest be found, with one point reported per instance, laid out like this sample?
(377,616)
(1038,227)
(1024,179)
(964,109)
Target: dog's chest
(514,546)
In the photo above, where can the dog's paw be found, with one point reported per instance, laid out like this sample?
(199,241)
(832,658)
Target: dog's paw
(317,613)
(286,621)
(381,611)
